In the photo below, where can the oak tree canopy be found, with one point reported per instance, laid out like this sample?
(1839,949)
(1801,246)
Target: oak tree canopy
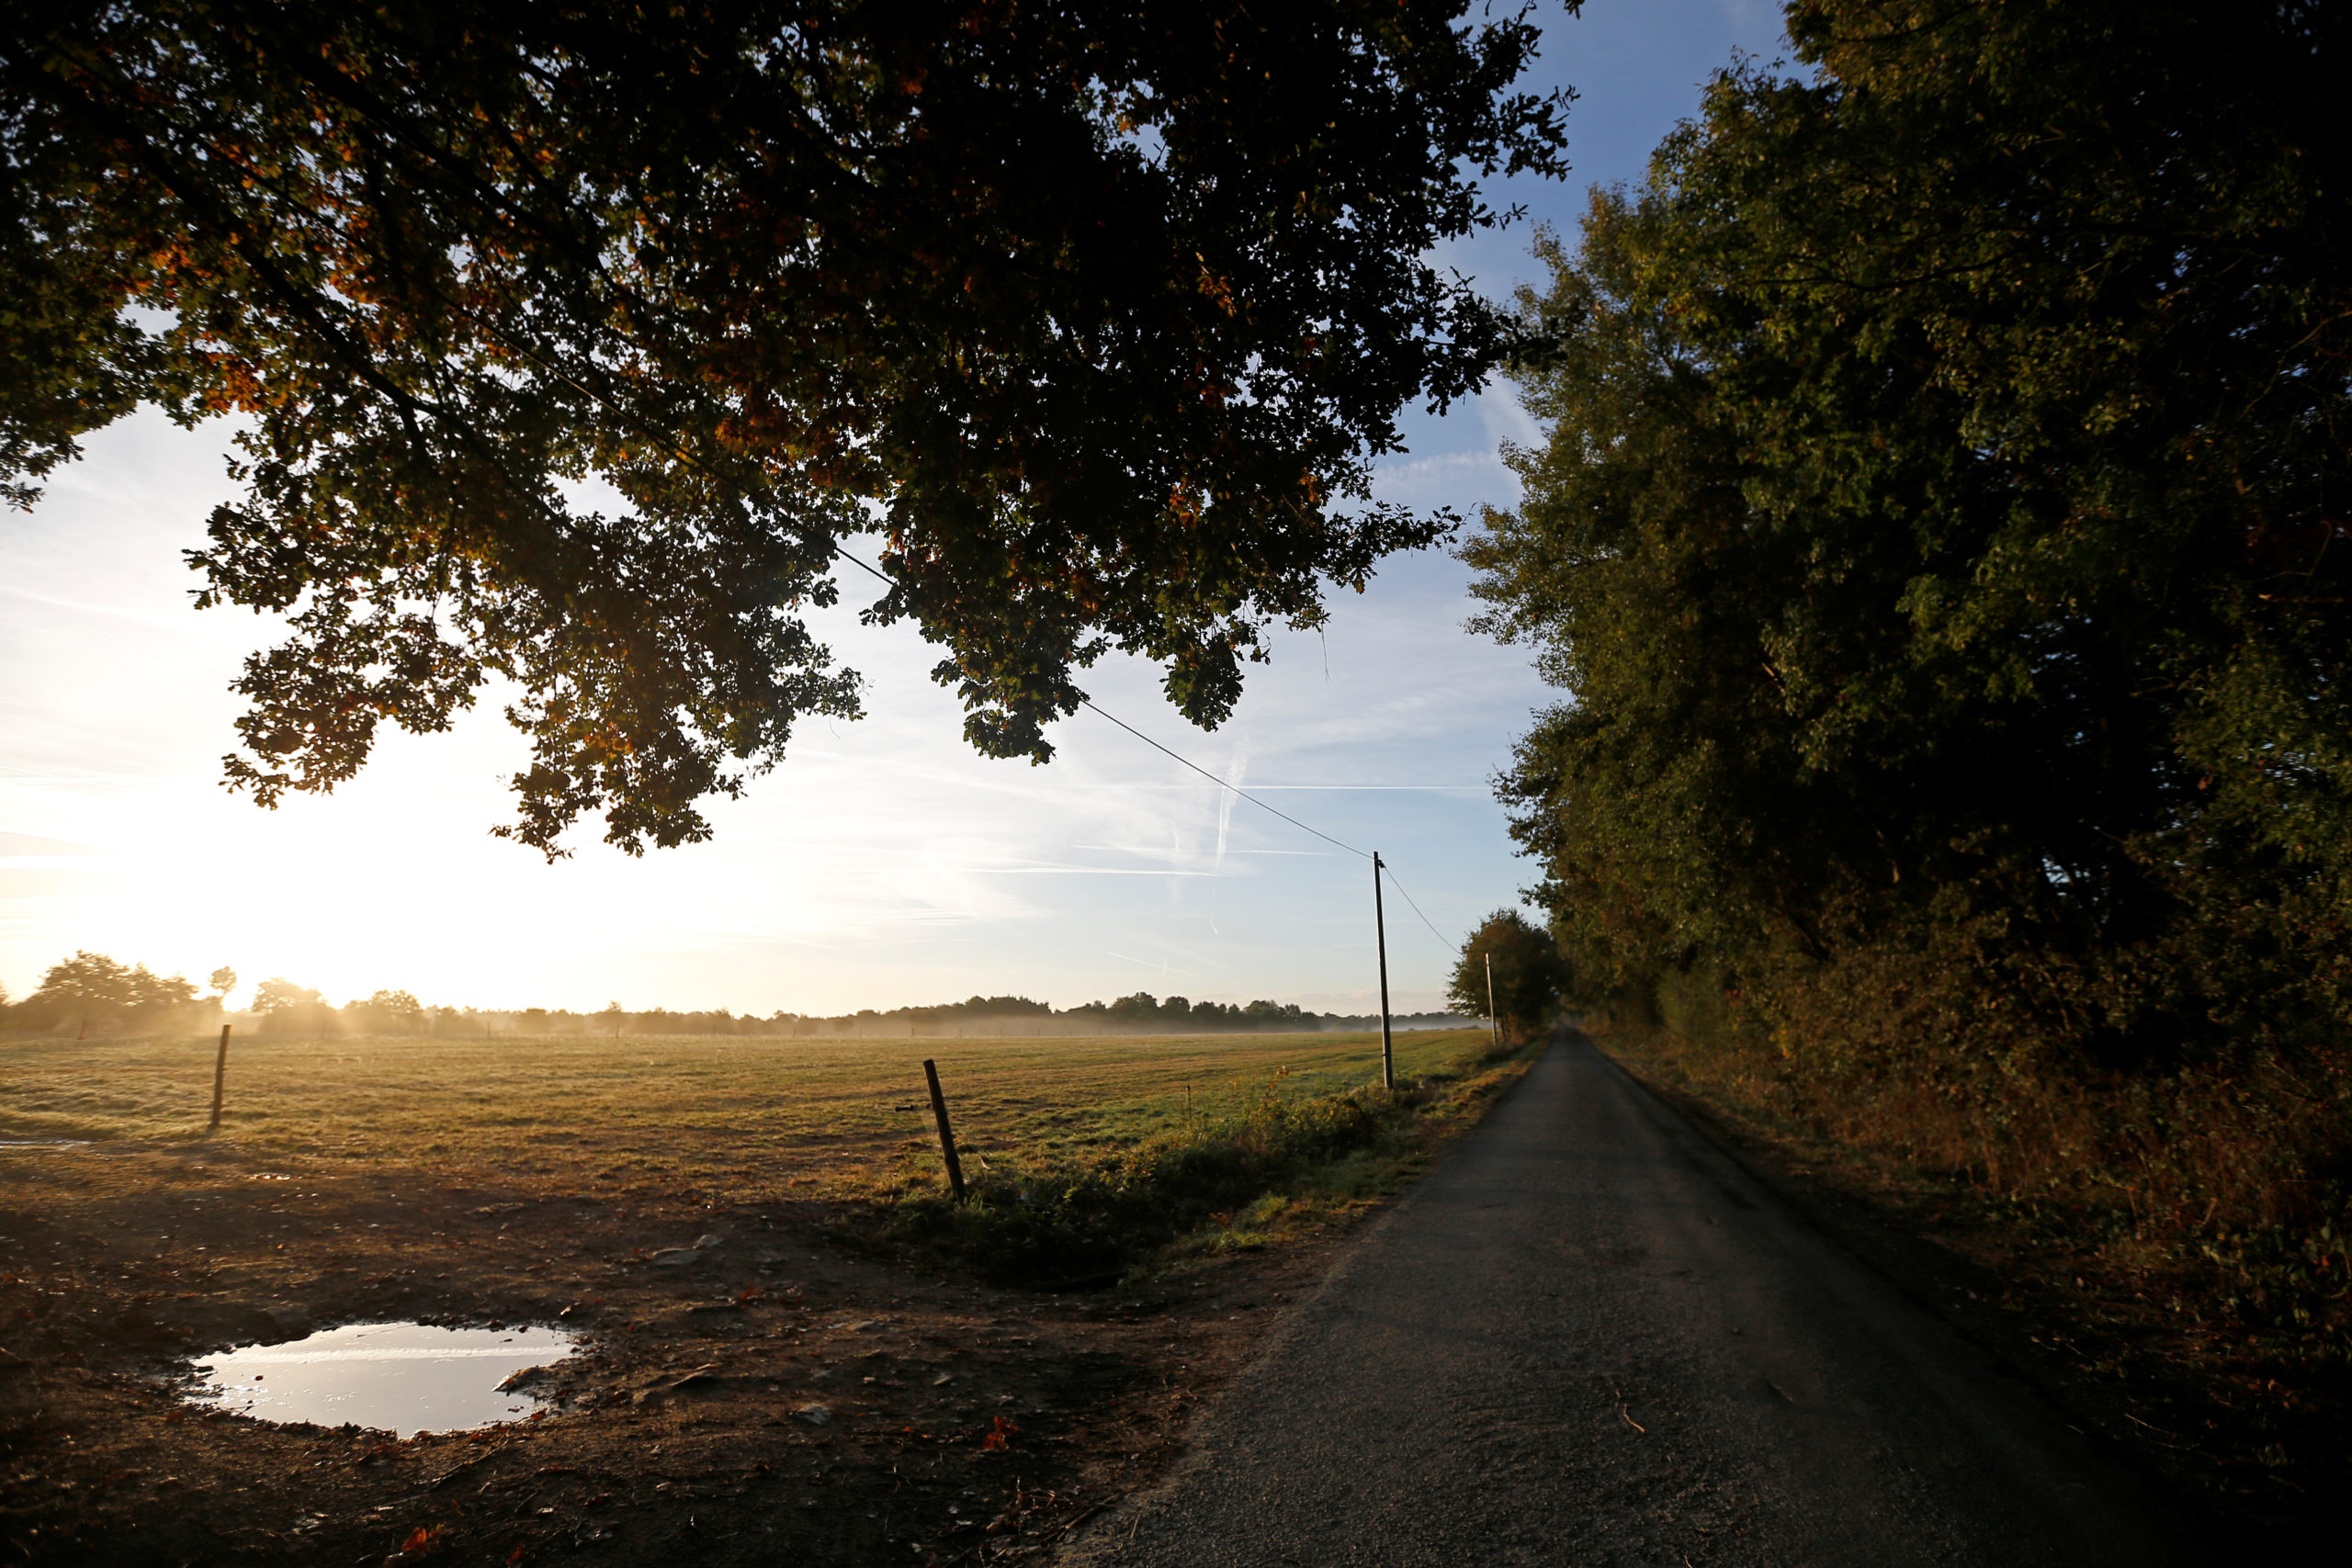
(1090,314)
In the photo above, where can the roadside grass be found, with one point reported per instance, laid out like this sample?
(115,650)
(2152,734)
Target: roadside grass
(1165,1137)
(1266,1160)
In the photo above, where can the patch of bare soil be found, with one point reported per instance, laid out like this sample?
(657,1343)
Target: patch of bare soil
(756,1381)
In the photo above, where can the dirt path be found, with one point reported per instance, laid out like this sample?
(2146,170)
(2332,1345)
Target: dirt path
(1589,1337)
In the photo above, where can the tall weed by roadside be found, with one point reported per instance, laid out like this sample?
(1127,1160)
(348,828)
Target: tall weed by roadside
(2223,1186)
(1049,1218)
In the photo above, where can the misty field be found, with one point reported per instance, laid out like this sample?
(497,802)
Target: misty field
(832,1117)
(768,1212)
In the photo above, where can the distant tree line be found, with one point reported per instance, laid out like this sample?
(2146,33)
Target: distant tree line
(1143,1009)
(91,993)
(1141,1013)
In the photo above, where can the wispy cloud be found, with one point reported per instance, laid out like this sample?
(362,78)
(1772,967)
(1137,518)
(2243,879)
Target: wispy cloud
(1080,871)
(1461,480)
(1234,773)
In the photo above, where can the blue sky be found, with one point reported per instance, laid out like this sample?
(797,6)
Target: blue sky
(884,862)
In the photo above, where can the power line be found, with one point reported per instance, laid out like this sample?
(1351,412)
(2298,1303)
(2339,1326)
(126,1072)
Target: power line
(883,577)
(887,581)
(1409,898)
(874,571)
(1223,783)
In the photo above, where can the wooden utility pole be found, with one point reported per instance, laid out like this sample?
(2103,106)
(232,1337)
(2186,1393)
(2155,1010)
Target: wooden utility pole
(946,1133)
(220,1078)
(1380,939)
(1494,1024)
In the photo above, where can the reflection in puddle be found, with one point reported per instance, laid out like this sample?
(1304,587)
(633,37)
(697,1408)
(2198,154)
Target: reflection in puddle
(403,1378)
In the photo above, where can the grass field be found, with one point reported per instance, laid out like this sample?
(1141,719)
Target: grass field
(738,1227)
(832,1117)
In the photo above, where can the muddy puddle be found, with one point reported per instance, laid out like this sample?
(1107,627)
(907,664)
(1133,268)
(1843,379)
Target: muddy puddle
(403,1378)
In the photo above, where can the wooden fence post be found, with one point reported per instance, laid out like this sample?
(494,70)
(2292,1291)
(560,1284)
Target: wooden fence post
(946,1133)
(220,1078)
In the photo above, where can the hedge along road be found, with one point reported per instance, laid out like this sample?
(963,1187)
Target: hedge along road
(1588,1337)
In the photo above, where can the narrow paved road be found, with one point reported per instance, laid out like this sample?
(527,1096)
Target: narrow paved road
(1589,1337)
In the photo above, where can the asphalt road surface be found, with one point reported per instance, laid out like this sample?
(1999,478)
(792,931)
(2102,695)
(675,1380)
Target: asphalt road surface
(1588,1337)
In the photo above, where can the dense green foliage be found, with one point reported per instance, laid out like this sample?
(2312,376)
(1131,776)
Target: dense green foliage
(1936,533)
(1938,540)
(1093,314)
(1520,965)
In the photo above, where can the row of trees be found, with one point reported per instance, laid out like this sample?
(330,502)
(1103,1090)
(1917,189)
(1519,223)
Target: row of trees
(1142,1010)
(92,994)
(1935,539)
(1140,1013)
(1941,540)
